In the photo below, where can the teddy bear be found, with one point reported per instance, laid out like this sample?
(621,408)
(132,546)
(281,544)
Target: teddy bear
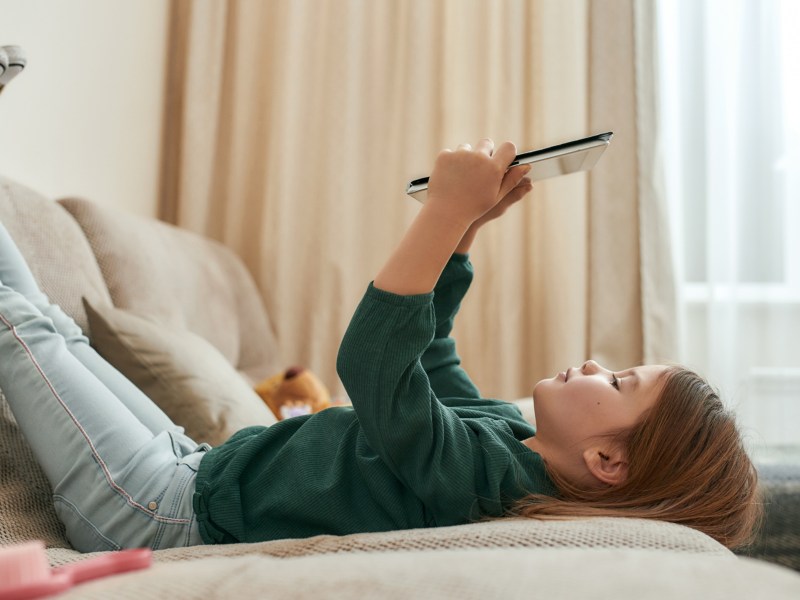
(296,391)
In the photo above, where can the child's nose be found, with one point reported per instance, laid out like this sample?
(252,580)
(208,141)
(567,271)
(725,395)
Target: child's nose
(590,367)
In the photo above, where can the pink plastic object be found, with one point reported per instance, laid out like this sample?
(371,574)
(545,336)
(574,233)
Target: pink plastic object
(25,572)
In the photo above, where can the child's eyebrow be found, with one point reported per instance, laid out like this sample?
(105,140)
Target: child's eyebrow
(636,380)
(634,375)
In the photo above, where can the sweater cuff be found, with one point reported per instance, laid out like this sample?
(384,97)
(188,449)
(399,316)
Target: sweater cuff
(397,299)
(457,261)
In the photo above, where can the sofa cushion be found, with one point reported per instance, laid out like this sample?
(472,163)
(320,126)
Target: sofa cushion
(180,371)
(55,249)
(181,279)
(593,532)
(622,574)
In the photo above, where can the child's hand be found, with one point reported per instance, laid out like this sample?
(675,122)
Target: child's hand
(514,187)
(466,184)
(467,187)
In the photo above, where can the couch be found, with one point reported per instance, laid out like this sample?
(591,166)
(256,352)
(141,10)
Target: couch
(112,271)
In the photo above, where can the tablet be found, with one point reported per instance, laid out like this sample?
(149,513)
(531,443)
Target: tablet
(563,159)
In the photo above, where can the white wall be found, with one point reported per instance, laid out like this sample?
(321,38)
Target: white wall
(84,117)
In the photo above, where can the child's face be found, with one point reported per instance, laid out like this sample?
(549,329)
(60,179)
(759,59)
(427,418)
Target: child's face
(576,406)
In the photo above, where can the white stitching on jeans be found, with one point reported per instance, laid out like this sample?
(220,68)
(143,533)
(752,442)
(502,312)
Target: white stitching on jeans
(100,461)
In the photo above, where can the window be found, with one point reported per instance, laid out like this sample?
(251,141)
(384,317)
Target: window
(730,110)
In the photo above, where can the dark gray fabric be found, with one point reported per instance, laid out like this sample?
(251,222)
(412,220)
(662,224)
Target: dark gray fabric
(779,538)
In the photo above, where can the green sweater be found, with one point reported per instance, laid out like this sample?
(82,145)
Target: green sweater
(419,447)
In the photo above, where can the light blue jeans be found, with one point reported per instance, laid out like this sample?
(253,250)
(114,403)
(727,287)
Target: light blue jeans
(123,474)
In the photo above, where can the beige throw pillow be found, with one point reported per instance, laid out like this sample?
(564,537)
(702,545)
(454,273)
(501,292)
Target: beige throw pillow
(189,379)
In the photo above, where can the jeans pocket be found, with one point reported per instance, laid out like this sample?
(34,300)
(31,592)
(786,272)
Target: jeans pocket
(183,445)
(179,526)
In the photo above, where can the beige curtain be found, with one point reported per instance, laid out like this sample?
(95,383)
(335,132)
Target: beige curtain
(292,127)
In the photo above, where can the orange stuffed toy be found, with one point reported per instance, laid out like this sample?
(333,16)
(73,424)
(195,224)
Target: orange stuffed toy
(296,391)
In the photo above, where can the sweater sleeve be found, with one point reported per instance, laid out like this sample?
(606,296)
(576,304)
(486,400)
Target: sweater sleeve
(454,466)
(440,360)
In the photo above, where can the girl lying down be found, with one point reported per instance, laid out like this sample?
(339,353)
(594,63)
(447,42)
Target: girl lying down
(420,447)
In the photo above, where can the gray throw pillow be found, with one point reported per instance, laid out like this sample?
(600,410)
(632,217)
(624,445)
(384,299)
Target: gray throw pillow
(187,377)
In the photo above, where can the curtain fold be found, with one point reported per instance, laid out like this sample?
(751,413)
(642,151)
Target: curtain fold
(292,127)
(631,279)
(659,294)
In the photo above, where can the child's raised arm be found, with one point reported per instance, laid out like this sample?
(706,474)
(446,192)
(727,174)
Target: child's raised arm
(465,185)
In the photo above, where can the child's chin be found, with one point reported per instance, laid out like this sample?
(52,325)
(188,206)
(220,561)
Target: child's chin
(542,385)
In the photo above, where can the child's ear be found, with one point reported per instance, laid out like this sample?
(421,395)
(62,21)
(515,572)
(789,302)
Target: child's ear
(607,465)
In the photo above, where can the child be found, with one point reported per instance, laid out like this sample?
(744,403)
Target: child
(419,448)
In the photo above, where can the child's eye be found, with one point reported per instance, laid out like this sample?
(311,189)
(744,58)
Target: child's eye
(614,381)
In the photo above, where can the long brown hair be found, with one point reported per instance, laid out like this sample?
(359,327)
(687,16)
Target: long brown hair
(686,464)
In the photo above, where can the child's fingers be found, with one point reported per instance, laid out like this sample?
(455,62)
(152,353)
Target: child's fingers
(514,196)
(505,154)
(520,190)
(524,186)
(486,146)
(512,177)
